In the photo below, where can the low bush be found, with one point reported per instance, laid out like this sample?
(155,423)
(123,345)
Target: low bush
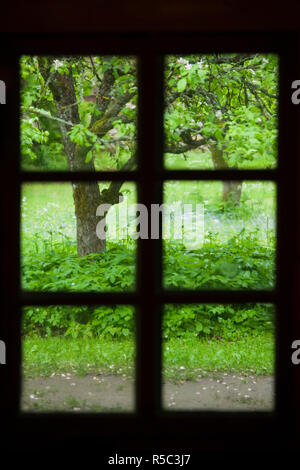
(240,263)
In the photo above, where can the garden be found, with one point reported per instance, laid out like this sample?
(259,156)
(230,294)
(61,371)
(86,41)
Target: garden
(80,114)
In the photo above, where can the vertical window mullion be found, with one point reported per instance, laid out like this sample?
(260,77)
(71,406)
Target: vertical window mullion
(10,242)
(149,251)
(287,233)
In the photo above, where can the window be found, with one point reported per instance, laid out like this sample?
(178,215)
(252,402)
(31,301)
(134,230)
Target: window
(150,422)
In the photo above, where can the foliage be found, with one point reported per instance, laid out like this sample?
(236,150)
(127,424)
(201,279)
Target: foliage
(106,94)
(225,100)
(60,269)
(241,264)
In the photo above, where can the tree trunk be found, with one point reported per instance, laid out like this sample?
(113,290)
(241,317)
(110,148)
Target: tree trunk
(86,200)
(232,190)
(86,196)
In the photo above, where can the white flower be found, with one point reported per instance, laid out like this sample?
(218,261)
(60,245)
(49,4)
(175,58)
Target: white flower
(181,367)
(219,114)
(188,66)
(113,132)
(200,63)
(130,105)
(182,61)
(57,64)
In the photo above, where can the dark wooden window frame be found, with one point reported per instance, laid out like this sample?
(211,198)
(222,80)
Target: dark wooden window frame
(151,427)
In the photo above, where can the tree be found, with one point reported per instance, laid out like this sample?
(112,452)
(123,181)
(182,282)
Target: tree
(85,107)
(86,125)
(226,104)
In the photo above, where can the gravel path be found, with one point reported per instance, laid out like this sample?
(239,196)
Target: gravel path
(96,393)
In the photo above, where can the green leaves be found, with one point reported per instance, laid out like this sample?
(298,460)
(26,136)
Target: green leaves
(81,135)
(234,99)
(181,84)
(89,156)
(242,263)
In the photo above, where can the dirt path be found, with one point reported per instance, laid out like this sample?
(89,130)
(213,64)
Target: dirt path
(66,392)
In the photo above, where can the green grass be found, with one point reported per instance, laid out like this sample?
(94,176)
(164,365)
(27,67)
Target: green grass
(184,358)
(201,160)
(43,356)
(194,160)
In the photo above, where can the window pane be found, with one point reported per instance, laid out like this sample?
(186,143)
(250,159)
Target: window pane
(219,235)
(221,111)
(63,242)
(218,357)
(78,113)
(78,358)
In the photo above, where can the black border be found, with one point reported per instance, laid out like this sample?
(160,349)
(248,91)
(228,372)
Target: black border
(150,427)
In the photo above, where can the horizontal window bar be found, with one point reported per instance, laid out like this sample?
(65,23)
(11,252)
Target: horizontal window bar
(213,175)
(74,298)
(217,296)
(141,43)
(28,176)
(166,421)
(78,298)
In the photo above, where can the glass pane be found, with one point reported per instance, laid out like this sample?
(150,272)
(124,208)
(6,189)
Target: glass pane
(78,358)
(221,111)
(219,235)
(78,113)
(219,357)
(64,245)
